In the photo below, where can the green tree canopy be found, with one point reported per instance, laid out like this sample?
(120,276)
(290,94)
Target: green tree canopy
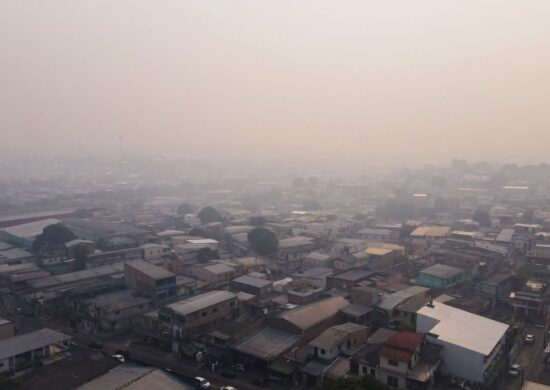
(184,208)
(53,236)
(257,220)
(209,214)
(263,241)
(482,217)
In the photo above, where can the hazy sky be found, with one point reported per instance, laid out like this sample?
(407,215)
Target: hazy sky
(387,81)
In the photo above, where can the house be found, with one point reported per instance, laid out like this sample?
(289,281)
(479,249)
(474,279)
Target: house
(212,274)
(310,320)
(334,344)
(151,252)
(403,360)
(316,276)
(530,299)
(318,260)
(24,351)
(251,285)
(346,280)
(406,361)
(424,235)
(197,315)
(265,345)
(348,246)
(379,235)
(365,295)
(150,280)
(472,344)
(386,312)
(504,238)
(303,291)
(339,339)
(75,247)
(293,250)
(498,287)
(441,276)
(380,256)
(112,312)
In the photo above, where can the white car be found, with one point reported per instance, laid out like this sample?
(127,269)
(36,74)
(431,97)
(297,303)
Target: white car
(203,383)
(228,388)
(529,339)
(514,370)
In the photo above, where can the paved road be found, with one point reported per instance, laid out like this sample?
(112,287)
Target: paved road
(530,358)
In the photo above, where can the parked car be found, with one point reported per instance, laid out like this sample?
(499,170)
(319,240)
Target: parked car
(202,383)
(119,357)
(228,388)
(529,339)
(514,370)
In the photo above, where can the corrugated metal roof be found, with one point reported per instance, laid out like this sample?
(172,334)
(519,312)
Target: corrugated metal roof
(30,341)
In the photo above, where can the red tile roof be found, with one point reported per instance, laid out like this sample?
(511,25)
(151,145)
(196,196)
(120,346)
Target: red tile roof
(408,341)
(398,354)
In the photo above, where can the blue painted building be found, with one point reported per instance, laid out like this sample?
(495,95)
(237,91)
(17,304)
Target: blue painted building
(441,276)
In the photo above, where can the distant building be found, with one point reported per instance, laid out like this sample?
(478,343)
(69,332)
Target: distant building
(112,312)
(249,284)
(386,312)
(150,280)
(197,315)
(530,299)
(498,287)
(441,276)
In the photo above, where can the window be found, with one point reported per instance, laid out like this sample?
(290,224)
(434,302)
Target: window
(203,314)
(393,381)
(393,362)
(373,372)
(322,351)
(215,310)
(364,370)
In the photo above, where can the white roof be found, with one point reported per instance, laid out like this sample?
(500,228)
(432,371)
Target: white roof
(30,229)
(202,241)
(459,327)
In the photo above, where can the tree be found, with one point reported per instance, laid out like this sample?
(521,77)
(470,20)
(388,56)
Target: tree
(257,220)
(365,382)
(184,208)
(206,254)
(263,241)
(482,217)
(209,214)
(80,258)
(53,236)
